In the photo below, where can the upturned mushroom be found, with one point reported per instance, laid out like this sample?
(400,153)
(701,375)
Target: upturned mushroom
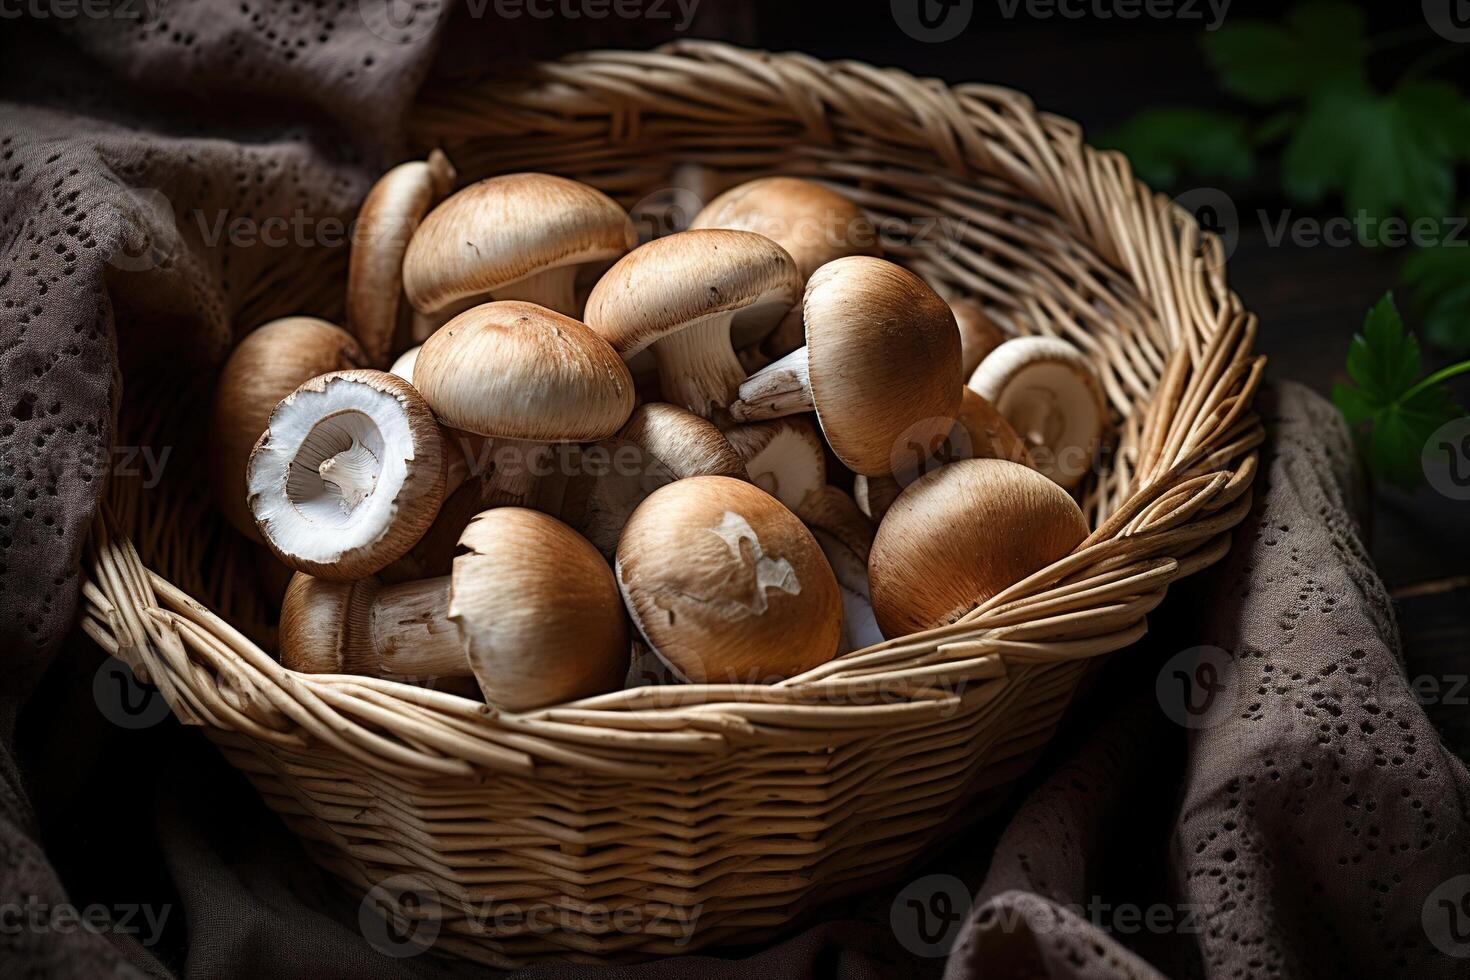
(391,212)
(979,432)
(814,224)
(963,533)
(514,237)
(347,475)
(531,611)
(979,334)
(726,585)
(881,367)
(683,295)
(525,377)
(266,366)
(1051,395)
(604,483)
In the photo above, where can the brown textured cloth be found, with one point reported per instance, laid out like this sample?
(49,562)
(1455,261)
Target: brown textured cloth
(1301,833)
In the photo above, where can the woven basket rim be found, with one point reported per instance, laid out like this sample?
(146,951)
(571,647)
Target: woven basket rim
(1190,485)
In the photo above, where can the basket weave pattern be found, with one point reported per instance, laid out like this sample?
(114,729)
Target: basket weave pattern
(698,813)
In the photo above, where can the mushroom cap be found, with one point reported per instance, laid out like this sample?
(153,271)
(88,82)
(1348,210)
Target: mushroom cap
(884,361)
(660,443)
(661,288)
(385,224)
(986,433)
(314,638)
(266,366)
(810,221)
(538,611)
(963,533)
(387,441)
(515,370)
(505,229)
(1049,392)
(726,584)
(783,456)
(979,334)
(682,441)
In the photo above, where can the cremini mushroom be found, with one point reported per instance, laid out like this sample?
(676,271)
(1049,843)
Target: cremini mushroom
(266,366)
(604,483)
(531,611)
(1051,395)
(963,533)
(348,474)
(514,237)
(810,221)
(979,334)
(881,366)
(683,295)
(979,432)
(726,585)
(392,210)
(526,377)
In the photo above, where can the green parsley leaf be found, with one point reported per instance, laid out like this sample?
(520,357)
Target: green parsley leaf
(1399,411)
(1321,45)
(1386,154)
(1440,277)
(1165,144)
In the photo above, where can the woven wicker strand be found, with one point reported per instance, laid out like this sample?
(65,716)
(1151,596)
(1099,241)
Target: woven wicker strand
(659,820)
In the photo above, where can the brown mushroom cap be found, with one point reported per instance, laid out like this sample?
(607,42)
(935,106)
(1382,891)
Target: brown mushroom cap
(348,474)
(267,365)
(506,229)
(682,441)
(661,288)
(385,224)
(726,584)
(963,533)
(979,334)
(813,223)
(538,611)
(883,359)
(518,371)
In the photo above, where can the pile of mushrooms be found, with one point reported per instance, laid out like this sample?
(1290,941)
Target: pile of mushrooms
(472,493)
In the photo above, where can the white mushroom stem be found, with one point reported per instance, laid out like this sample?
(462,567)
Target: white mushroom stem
(779,389)
(698,368)
(351,474)
(555,289)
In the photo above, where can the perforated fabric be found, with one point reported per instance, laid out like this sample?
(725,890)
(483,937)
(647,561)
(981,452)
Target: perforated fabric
(1315,826)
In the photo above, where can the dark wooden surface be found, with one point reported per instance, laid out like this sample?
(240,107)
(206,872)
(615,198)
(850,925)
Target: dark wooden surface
(1310,300)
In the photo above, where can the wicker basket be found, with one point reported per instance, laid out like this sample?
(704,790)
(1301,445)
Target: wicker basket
(663,819)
